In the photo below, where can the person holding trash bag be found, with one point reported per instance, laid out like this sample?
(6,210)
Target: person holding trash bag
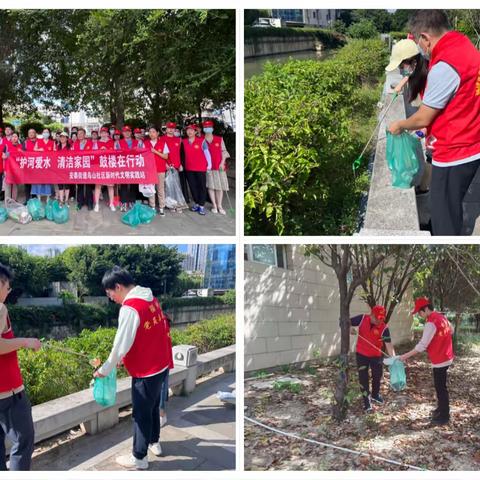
(143,343)
(437,341)
(372,333)
(16,422)
(451,111)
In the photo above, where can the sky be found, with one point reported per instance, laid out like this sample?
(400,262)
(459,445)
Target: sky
(43,250)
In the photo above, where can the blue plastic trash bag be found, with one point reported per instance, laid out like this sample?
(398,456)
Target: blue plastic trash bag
(3,214)
(398,379)
(402,158)
(60,214)
(49,210)
(36,209)
(105,389)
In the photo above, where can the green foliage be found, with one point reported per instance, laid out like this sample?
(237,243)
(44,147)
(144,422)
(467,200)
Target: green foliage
(26,126)
(339,26)
(50,373)
(207,335)
(398,35)
(363,29)
(300,139)
(169,303)
(250,16)
(229,297)
(292,387)
(186,281)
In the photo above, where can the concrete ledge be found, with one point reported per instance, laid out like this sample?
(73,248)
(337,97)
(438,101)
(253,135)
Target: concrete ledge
(59,415)
(390,210)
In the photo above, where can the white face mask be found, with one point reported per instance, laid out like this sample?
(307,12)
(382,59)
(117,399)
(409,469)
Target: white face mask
(208,130)
(45,135)
(177,134)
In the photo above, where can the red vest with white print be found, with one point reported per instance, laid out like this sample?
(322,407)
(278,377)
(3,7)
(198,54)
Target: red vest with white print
(195,160)
(151,351)
(48,146)
(215,149)
(456,129)
(10,377)
(174,144)
(440,349)
(87,145)
(160,162)
(373,335)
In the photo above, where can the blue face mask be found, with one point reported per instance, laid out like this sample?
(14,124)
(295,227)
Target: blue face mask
(208,130)
(423,53)
(406,71)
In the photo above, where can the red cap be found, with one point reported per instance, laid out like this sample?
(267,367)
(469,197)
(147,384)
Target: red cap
(420,303)
(193,126)
(379,312)
(137,130)
(117,132)
(104,129)
(208,123)
(171,125)
(126,128)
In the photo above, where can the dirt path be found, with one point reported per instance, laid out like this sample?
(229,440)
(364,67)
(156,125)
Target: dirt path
(398,430)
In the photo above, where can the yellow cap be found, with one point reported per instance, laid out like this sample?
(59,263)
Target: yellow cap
(401,51)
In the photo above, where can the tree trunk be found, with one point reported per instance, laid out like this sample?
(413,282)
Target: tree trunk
(340,405)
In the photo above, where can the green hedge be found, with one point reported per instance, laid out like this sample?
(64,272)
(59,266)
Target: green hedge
(329,38)
(398,35)
(50,374)
(305,124)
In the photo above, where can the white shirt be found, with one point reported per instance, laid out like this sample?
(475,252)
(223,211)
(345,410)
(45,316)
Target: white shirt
(428,334)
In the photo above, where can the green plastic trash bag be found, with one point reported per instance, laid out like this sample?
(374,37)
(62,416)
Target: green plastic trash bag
(398,379)
(138,214)
(36,209)
(49,210)
(105,389)
(403,152)
(60,214)
(3,214)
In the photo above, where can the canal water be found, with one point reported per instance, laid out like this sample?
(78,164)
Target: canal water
(254,66)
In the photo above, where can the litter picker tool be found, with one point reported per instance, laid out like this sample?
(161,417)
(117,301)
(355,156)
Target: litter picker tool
(65,350)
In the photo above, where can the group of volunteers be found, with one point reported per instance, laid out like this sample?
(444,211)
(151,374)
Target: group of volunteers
(441,69)
(200,159)
(373,334)
(142,344)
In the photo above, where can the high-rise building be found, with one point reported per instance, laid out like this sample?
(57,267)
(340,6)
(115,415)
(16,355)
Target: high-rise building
(220,268)
(305,17)
(196,258)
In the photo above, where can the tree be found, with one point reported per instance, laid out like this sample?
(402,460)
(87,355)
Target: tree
(400,19)
(363,29)
(352,265)
(251,16)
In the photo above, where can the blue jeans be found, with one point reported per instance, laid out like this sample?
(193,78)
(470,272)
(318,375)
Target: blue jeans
(164,393)
(16,424)
(146,412)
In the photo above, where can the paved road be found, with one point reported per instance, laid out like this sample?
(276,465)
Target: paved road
(200,435)
(106,222)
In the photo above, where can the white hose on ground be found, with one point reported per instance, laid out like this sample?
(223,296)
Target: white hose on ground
(335,447)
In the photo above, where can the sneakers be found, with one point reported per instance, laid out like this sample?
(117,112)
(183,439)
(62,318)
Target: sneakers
(163,421)
(221,211)
(96,208)
(378,399)
(367,406)
(123,207)
(195,208)
(201,211)
(129,461)
(214,210)
(161,212)
(112,207)
(440,420)
(155,448)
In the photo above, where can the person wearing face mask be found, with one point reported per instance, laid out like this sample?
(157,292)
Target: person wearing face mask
(29,146)
(14,145)
(373,333)
(84,191)
(44,144)
(105,143)
(217,181)
(451,110)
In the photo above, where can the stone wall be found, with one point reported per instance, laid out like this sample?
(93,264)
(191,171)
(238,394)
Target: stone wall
(261,46)
(291,315)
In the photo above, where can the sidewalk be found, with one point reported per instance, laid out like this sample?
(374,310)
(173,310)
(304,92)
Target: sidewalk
(199,435)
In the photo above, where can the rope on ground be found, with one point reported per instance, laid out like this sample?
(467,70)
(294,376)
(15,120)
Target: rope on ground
(335,447)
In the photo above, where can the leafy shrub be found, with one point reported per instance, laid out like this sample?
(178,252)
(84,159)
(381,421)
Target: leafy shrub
(50,374)
(363,29)
(300,141)
(398,35)
(26,126)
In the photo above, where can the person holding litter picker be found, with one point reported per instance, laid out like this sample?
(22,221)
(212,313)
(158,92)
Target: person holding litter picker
(16,422)
(437,341)
(373,332)
(143,344)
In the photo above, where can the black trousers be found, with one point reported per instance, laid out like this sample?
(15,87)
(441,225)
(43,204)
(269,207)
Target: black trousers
(28,190)
(128,193)
(146,393)
(197,182)
(365,365)
(443,400)
(448,188)
(85,195)
(184,185)
(16,424)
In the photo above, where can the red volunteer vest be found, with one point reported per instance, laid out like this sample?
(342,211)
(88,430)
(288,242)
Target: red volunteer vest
(124,144)
(373,335)
(440,349)
(174,144)
(30,145)
(215,148)
(11,377)
(195,160)
(48,146)
(108,145)
(151,351)
(160,163)
(87,146)
(457,127)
